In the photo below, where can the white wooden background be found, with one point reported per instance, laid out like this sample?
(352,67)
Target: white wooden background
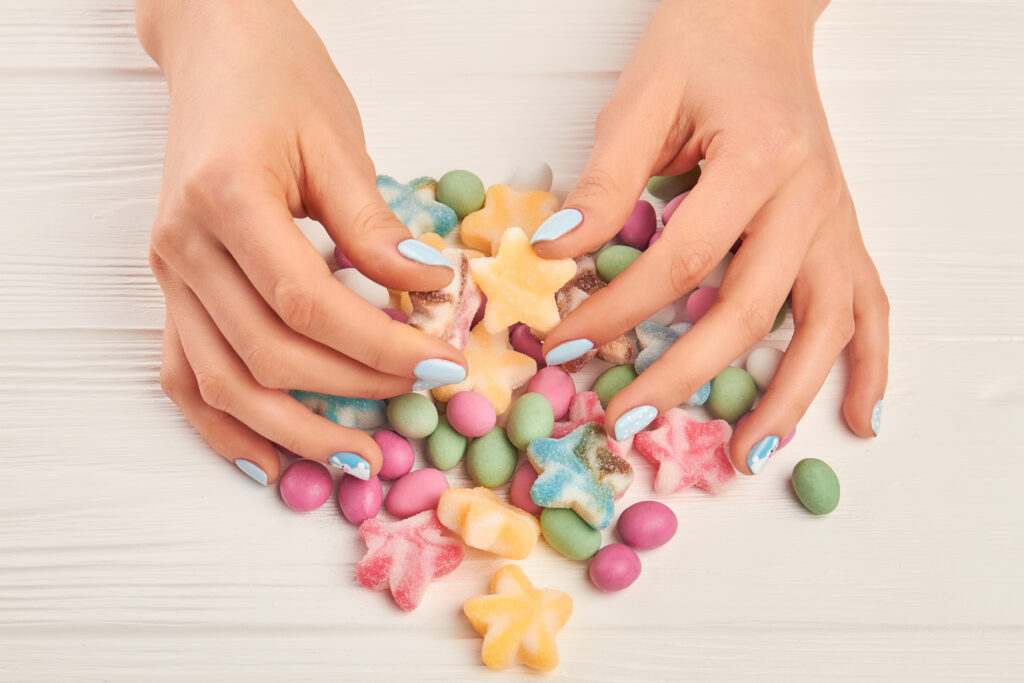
(128,552)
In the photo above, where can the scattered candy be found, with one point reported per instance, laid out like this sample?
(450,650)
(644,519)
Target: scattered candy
(612,381)
(529,418)
(687,452)
(519,490)
(571,295)
(670,208)
(586,407)
(654,341)
(470,413)
(462,191)
(569,534)
(359,499)
(306,485)
(448,313)
(665,187)
(414,204)
(816,485)
(647,525)
(363,287)
(615,259)
(412,415)
(494,369)
(700,302)
(360,413)
(762,363)
(523,341)
(504,207)
(655,237)
(415,492)
(532,176)
(445,446)
(614,567)
(491,458)
(639,226)
(397,453)
(485,521)
(732,394)
(556,385)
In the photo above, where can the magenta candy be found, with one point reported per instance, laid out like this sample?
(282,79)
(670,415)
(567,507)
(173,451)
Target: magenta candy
(479,315)
(470,413)
(397,454)
(556,385)
(306,485)
(647,524)
(415,492)
(359,499)
(670,208)
(395,314)
(523,341)
(699,302)
(614,567)
(655,237)
(519,490)
(639,226)
(342,260)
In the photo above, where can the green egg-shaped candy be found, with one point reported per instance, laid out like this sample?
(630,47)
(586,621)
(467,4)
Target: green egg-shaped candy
(612,381)
(615,259)
(665,187)
(412,415)
(529,418)
(491,458)
(566,532)
(780,317)
(816,485)
(732,394)
(445,446)
(462,191)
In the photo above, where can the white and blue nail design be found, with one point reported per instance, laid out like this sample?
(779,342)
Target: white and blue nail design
(557,225)
(421,252)
(759,454)
(254,471)
(633,420)
(437,372)
(350,463)
(876,417)
(567,351)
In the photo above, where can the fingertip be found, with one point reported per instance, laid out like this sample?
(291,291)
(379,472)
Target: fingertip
(862,414)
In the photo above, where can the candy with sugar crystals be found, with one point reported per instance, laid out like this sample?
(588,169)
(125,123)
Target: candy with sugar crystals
(491,458)
(485,521)
(494,369)
(762,363)
(654,341)
(504,207)
(470,413)
(647,525)
(614,567)
(415,204)
(462,191)
(519,489)
(531,176)
(306,485)
(415,492)
(523,341)
(586,407)
(639,226)
(612,381)
(412,415)
(405,556)
(361,413)
(556,385)
(665,187)
(448,313)
(569,534)
(359,499)
(615,259)
(687,452)
(363,287)
(571,295)
(445,446)
(518,621)
(732,394)
(397,455)
(529,418)
(816,485)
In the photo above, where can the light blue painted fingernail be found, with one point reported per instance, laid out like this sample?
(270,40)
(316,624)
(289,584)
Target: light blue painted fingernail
(557,225)
(350,463)
(421,252)
(437,372)
(567,351)
(253,470)
(876,417)
(633,420)
(759,454)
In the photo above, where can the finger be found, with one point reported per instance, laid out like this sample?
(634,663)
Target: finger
(228,437)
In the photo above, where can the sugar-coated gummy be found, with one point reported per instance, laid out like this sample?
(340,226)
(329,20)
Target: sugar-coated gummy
(485,521)
(732,394)
(530,417)
(566,532)
(360,413)
(816,485)
(491,458)
(614,567)
(445,446)
(647,525)
(412,415)
(612,381)
(306,485)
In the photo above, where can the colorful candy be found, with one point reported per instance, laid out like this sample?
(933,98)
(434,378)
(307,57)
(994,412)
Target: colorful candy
(415,492)
(495,370)
(687,452)
(445,446)
(448,313)
(462,191)
(614,259)
(397,455)
(586,407)
(582,285)
(762,363)
(531,176)
(816,485)
(523,341)
(491,458)
(566,532)
(670,208)
(415,204)
(612,381)
(503,208)
(665,187)
(470,413)
(700,302)
(306,485)
(412,415)
(640,225)
(360,413)
(614,568)
(359,499)
(654,340)
(485,521)
(529,418)
(732,394)
(647,525)
(519,489)
(556,385)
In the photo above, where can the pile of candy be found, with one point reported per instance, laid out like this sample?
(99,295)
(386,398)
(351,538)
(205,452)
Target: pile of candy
(502,300)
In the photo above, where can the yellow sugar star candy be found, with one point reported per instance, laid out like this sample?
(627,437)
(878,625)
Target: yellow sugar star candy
(518,621)
(520,286)
(495,370)
(485,521)
(503,208)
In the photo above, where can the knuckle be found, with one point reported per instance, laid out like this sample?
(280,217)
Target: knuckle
(838,327)
(755,320)
(170,382)
(166,240)
(297,306)
(373,215)
(781,144)
(689,265)
(215,389)
(596,184)
(218,184)
(266,365)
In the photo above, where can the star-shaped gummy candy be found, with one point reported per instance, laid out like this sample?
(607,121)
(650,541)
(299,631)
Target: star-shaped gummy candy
(485,521)
(405,556)
(654,340)
(579,471)
(520,286)
(495,370)
(518,621)
(415,205)
(583,408)
(447,313)
(361,413)
(687,452)
(503,208)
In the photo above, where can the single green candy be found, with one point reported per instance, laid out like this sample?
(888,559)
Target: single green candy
(816,485)
(732,394)
(566,532)
(446,446)
(529,418)
(781,316)
(462,191)
(665,187)
(615,259)
(491,458)
(612,381)
(412,415)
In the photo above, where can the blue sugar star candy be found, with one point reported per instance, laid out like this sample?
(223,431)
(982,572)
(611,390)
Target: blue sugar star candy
(579,472)
(415,205)
(654,340)
(360,413)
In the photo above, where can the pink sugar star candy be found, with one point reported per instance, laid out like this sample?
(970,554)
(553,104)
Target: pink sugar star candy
(586,407)
(447,313)
(687,452)
(405,556)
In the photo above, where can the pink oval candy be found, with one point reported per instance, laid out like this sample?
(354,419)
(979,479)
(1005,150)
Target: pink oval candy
(523,341)
(395,314)
(655,237)
(670,208)
(470,413)
(479,315)
(519,490)
(359,499)
(342,260)
(647,524)
(699,302)
(639,226)
(415,492)
(556,385)
(306,485)
(397,454)
(614,567)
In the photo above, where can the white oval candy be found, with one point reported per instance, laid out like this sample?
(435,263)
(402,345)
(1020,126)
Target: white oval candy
(762,364)
(664,317)
(364,287)
(531,176)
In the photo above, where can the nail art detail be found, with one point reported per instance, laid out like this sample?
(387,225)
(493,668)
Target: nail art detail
(633,420)
(437,372)
(254,471)
(350,463)
(876,417)
(420,252)
(567,351)
(759,454)
(557,225)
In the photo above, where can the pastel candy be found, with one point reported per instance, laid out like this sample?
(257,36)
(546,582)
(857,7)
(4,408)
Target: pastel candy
(639,227)
(530,418)
(360,413)
(397,315)
(519,489)
(732,394)
(415,492)
(571,295)
(363,287)
(531,176)
(397,455)
(405,556)
(523,341)
(655,237)
(612,381)
(359,499)
(762,363)
(567,533)
(700,302)
(518,621)
(415,204)
(557,386)
(494,369)
(485,521)
(342,260)
(503,208)
(470,413)
(654,340)
(780,317)
(687,452)
(665,187)
(448,313)
(412,415)
(583,408)
(491,458)
(614,568)
(670,208)
(647,525)
(462,191)
(306,485)
(445,446)
(816,485)
(434,240)
(614,259)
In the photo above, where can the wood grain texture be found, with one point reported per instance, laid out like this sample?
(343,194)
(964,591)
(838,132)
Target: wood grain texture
(129,552)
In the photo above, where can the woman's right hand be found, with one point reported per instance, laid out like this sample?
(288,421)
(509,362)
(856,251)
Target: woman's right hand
(263,129)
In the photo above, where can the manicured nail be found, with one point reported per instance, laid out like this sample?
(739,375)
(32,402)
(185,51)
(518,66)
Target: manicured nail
(437,372)
(567,351)
(420,252)
(253,470)
(350,463)
(633,420)
(759,454)
(876,417)
(557,225)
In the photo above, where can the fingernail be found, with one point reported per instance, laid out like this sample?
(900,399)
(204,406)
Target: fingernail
(876,417)
(567,351)
(557,225)
(253,470)
(633,420)
(350,463)
(759,454)
(420,252)
(437,372)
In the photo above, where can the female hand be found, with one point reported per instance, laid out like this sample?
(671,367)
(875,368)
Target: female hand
(731,82)
(263,129)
